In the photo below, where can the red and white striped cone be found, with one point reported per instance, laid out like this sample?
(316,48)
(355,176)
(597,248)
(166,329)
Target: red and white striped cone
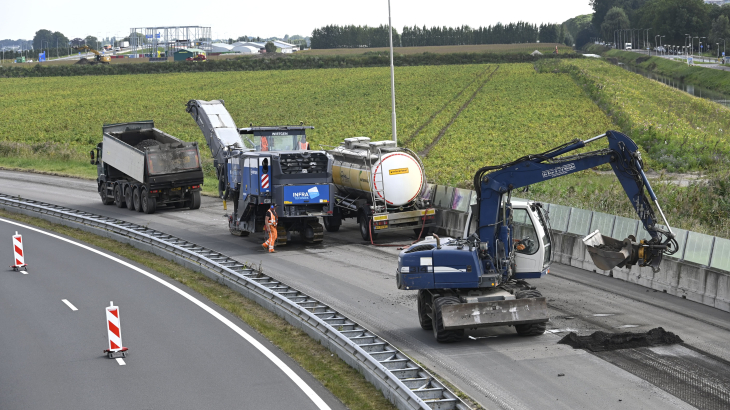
(116,349)
(18,251)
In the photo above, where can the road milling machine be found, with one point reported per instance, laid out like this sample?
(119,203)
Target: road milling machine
(481,280)
(258,167)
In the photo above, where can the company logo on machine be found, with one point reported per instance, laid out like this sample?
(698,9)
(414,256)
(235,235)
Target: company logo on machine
(313,192)
(265,181)
(279,133)
(558,171)
(398,171)
(309,194)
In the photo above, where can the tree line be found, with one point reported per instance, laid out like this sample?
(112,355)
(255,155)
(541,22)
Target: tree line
(334,36)
(672,19)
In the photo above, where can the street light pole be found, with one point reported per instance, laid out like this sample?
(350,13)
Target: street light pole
(392,76)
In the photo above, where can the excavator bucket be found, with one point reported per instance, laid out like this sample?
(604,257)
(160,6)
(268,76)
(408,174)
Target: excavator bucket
(607,252)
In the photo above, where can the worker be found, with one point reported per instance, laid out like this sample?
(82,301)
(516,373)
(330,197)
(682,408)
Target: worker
(270,227)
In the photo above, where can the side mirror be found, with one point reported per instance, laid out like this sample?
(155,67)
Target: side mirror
(93,161)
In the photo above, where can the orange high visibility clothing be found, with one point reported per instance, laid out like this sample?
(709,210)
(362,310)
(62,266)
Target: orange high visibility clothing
(271,222)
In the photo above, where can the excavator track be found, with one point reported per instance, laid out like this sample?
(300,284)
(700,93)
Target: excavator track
(318,230)
(281,235)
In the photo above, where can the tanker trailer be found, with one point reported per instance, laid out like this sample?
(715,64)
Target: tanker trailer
(380,184)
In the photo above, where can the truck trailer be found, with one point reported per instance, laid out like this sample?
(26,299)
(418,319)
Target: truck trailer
(380,184)
(140,167)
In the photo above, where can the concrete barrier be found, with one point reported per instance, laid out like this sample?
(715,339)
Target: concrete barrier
(699,271)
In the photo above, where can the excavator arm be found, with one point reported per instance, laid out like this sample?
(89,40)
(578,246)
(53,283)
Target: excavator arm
(496,182)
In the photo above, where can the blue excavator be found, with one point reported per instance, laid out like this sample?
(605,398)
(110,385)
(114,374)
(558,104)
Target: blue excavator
(481,280)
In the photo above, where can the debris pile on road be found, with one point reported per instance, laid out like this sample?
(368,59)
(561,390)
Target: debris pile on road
(602,341)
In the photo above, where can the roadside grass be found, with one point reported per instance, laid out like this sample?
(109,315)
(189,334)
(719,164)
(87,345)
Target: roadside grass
(346,383)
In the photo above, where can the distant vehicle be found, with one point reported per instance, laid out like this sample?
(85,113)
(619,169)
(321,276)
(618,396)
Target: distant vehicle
(199,57)
(660,49)
(118,49)
(627,46)
(124,44)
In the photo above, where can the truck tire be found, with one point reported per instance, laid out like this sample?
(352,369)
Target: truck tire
(136,199)
(149,204)
(330,223)
(532,329)
(367,230)
(129,197)
(424,297)
(104,198)
(195,200)
(119,196)
(441,335)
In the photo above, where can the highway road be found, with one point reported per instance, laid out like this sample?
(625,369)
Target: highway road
(184,352)
(494,366)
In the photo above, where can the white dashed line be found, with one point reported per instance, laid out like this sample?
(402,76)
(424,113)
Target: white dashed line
(121,361)
(69,304)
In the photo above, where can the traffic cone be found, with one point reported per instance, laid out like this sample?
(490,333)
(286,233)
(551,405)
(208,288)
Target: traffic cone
(18,250)
(116,349)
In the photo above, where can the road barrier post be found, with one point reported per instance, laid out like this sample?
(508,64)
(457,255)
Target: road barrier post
(116,348)
(18,251)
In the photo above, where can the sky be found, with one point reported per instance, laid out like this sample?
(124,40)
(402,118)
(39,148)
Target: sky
(231,19)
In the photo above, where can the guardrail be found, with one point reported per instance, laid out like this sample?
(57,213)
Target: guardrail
(700,270)
(406,384)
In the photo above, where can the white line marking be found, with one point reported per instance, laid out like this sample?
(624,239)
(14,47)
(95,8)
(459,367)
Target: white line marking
(69,304)
(121,361)
(261,348)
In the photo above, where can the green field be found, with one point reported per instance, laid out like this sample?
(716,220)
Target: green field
(459,117)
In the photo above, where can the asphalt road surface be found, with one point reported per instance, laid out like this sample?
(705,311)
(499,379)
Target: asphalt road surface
(181,355)
(494,366)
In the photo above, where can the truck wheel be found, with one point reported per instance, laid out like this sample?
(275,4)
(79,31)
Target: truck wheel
(424,310)
(149,205)
(441,335)
(129,197)
(136,200)
(330,223)
(104,198)
(195,200)
(532,329)
(367,230)
(118,196)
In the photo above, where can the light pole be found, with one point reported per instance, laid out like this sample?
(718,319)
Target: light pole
(646,39)
(700,48)
(392,75)
(614,38)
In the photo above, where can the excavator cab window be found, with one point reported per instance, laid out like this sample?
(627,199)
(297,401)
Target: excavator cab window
(525,235)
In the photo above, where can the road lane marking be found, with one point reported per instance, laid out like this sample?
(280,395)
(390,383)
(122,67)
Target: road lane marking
(121,361)
(255,343)
(69,304)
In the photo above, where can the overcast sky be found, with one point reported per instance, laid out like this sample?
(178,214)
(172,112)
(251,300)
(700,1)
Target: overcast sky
(21,19)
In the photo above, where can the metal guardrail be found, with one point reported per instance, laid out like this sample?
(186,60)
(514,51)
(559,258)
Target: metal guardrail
(402,381)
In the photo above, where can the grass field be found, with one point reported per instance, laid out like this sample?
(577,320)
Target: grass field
(458,117)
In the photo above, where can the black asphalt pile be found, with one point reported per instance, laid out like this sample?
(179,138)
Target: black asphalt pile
(82,61)
(602,341)
(147,143)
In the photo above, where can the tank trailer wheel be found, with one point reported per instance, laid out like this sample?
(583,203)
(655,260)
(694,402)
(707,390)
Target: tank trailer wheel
(441,335)
(118,196)
(531,329)
(149,205)
(367,230)
(136,200)
(129,197)
(424,310)
(195,200)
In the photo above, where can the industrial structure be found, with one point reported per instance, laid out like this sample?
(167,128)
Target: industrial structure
(170,39)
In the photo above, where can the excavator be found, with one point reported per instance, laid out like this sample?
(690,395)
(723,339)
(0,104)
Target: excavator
(481,280)
(99,59)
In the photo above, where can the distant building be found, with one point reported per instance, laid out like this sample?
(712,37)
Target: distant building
(221,48)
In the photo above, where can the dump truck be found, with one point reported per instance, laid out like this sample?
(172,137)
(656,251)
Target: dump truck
(258,167)
(380,184)
(481,280)
(141,168)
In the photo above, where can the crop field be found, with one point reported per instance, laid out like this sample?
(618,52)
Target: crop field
(678,131)
(458,117)
(544,48)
